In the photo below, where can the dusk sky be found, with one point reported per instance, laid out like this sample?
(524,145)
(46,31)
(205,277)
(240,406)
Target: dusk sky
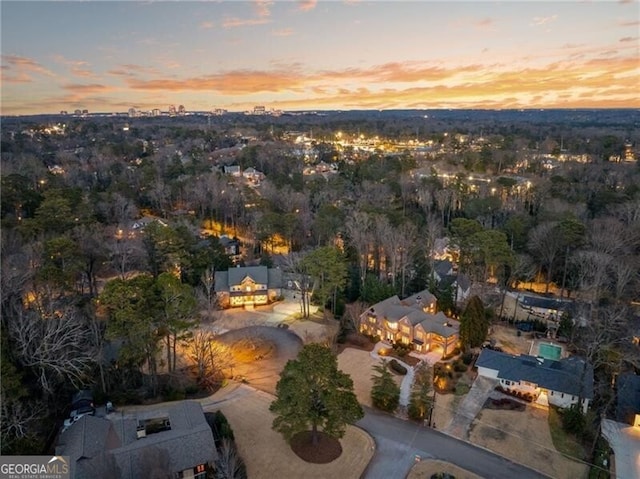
(110,56)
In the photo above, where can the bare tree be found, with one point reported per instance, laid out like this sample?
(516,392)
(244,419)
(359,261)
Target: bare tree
(351,319)
(54,341)
(125,253)
(544,244)
(294,263)
(359,226)
(207,290)
(229,464)
(211,357)
(18,417)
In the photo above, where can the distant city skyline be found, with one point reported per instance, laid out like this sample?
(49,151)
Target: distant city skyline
(111,56)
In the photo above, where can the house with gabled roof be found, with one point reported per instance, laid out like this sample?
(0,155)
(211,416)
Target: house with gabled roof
(561,383)
(412,321)
(628,399)
(177,442)
(248,286)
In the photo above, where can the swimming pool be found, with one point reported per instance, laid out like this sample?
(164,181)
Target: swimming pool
(550,351)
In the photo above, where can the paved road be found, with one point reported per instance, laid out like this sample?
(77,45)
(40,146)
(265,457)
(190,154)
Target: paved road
(398,442)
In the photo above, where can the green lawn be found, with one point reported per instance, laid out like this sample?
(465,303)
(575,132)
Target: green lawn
(563,442)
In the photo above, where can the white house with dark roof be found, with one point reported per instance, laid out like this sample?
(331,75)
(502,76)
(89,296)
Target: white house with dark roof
(176,442)
(248,286)
(412,321)
(559,383)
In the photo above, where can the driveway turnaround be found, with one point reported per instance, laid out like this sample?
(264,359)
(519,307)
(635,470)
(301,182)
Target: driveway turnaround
(263,374)
(625,442)
(399,444)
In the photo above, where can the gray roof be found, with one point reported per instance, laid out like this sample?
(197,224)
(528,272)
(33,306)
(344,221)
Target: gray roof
(272,277)
(542,302)
(410,309)
(442,267)
(440,324)
(188,443)
(562,376)
(628,400)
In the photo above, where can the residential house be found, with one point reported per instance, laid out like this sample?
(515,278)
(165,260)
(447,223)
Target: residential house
(176,443)
(231,247)
(248,286)
(445,276)
(233,170)
(412,321)
(542,307)
(628,399)
(253,176)
(441,270)
(559,383)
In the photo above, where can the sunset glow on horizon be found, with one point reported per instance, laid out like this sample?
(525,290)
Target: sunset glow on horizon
(318,55)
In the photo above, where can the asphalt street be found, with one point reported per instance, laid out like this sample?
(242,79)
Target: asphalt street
(400,443)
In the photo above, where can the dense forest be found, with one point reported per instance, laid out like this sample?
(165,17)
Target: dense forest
(91,300)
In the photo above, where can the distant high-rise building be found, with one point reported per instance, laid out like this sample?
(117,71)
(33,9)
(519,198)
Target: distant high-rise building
(172,110)
(132,112)
(219,111)
(155,112)
(181,110)
(63,112)
(85,112)
(77,112)
(259,110)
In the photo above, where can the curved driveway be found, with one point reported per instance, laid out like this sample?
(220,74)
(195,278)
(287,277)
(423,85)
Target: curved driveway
(398,442)
(264,373)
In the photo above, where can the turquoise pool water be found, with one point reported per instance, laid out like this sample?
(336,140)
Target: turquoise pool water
(549,351)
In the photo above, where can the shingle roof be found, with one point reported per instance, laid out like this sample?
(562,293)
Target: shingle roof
(628,403)
(540,302)
(440,324)
(410,309)
(272,277)
(562,376)
(188,443)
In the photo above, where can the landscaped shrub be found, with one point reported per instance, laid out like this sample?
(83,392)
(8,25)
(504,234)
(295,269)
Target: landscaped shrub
(459,366)
(397,367)
(219,426)
(402,349)
(467,358)
(573,421)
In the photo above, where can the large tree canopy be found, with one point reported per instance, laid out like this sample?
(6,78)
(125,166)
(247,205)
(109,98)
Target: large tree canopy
(474,325)
(313,393)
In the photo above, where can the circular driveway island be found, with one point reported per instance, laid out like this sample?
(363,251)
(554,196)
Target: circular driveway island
(272,346)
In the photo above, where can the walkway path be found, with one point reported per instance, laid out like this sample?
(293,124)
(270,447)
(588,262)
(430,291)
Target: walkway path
(470,406)
(407,379)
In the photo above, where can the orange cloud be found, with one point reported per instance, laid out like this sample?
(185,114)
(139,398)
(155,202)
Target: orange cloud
(306,5)
(18,69)
(234,22)
(207,25)
(262,7)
